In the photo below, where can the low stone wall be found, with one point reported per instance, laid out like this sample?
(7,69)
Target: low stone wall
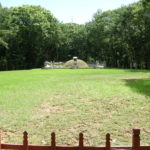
(53,65)
(60,65)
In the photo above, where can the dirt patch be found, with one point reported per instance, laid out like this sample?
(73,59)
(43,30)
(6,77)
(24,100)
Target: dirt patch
(89,128)
(2,135)
(5,135)
(47,108)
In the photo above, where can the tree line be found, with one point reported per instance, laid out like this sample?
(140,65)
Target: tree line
(30,35)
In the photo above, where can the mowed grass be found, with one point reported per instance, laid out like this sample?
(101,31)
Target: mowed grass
(92,101)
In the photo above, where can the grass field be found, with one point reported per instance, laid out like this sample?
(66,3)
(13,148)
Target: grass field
(91,101)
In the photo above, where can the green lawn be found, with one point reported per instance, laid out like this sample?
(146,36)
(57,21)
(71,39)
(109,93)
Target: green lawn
(92,101)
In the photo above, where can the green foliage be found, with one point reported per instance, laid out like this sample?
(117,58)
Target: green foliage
(36,37)
(119,37)
(37,34)
(73,41)
(30,35)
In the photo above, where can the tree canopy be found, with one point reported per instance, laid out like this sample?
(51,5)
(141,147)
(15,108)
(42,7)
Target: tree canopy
(29,35)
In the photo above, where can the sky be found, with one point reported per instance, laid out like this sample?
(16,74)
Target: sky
(75,11)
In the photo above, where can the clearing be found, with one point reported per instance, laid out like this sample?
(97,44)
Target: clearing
(92,101)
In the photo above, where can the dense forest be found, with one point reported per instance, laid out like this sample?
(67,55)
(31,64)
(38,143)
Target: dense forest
(29,35)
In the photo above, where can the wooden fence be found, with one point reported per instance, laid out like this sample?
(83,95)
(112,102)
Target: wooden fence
(25,146)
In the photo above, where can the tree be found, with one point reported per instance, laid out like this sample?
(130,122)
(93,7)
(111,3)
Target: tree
(6,33)
(73,41)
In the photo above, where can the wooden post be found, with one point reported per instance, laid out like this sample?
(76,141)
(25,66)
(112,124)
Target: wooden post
(25,140)
(0,140)
(81,141)
(136,139)
(108,144)
(53,139)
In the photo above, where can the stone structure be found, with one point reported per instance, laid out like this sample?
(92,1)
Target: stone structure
(52,65)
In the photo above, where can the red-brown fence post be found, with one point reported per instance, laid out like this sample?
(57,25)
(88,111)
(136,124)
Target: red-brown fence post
(25,140)
(108,144)
(136,139)
(81,141)
(0,140)
(53,140)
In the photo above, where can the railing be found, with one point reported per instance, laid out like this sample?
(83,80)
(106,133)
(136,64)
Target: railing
(25,146)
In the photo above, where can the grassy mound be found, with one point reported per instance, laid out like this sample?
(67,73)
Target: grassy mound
(80,64)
